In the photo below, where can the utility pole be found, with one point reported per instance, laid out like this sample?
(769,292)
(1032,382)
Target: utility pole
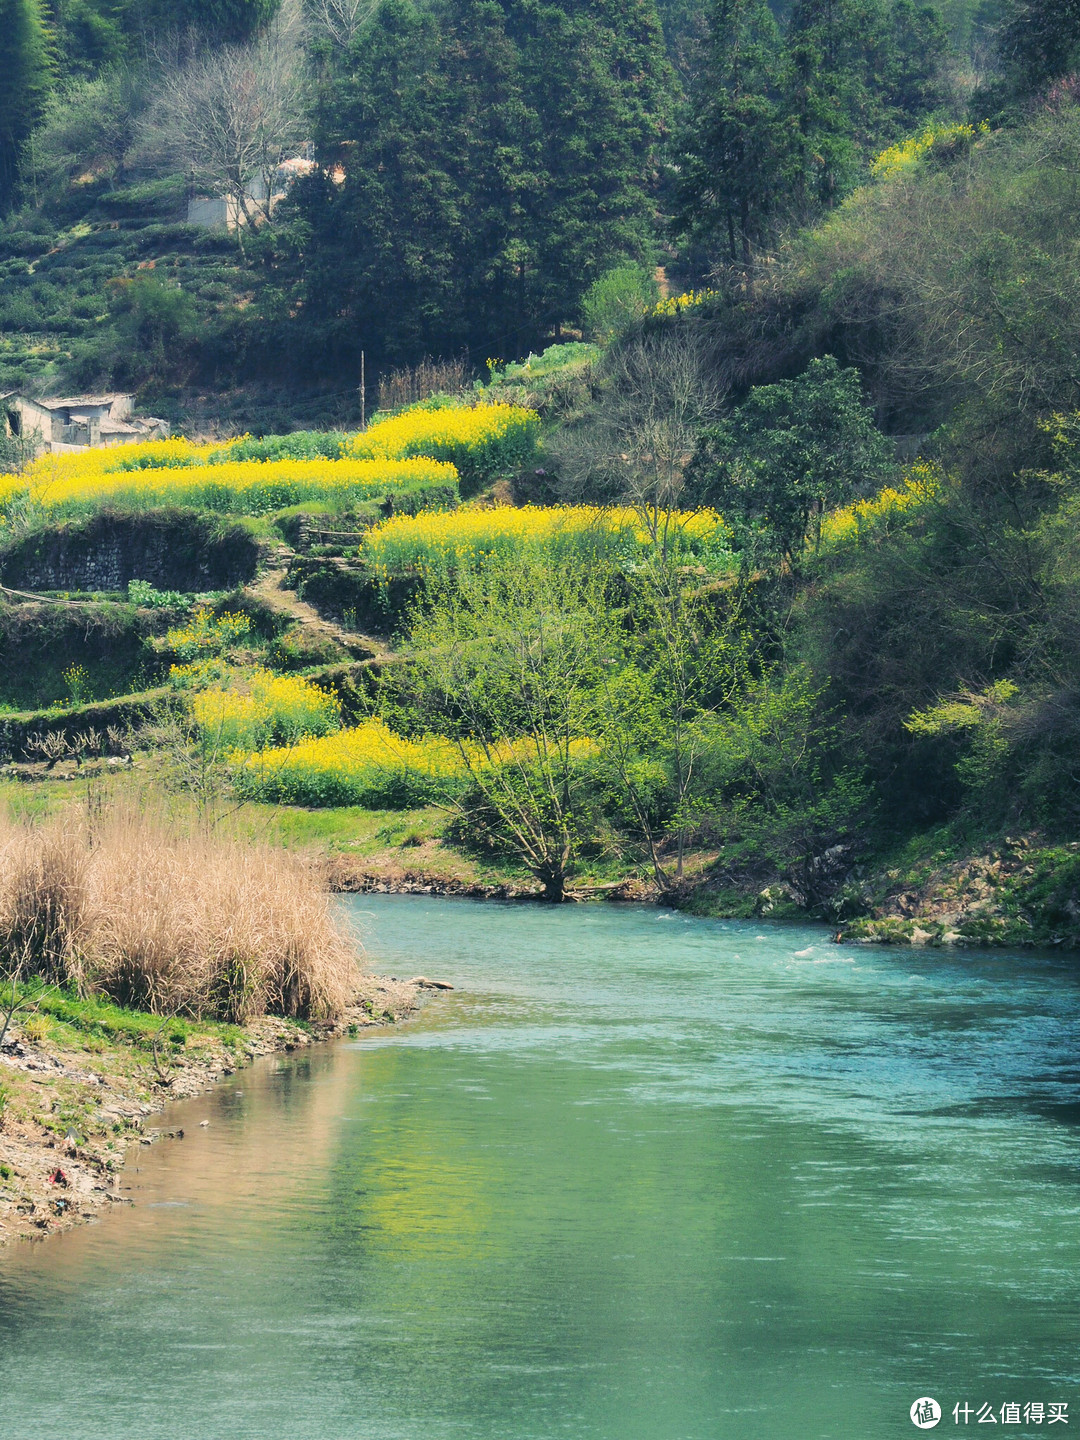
(363,395)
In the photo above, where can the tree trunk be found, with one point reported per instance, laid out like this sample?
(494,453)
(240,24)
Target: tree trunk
(554,883)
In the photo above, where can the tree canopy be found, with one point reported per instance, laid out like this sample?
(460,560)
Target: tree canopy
(495,158)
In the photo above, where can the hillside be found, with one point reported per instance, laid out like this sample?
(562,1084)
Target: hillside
(739,570)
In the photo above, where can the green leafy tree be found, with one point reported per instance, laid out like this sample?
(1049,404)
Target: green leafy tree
(860,73)
(424,238)
(1038,43)
(733,155)
(89,35)
(232,21)
(790,452)
(510,663)
(495,158)
(155,329)
(778,789)
(595,76)
(688,657)
(25,82)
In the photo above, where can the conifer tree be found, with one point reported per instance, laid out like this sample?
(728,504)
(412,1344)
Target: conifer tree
(25,81)
(497,157)
(1039,42)
(732,158)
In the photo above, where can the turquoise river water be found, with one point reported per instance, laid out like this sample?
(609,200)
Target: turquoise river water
(639,1177)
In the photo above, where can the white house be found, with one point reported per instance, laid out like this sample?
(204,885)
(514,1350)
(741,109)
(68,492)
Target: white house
(225,211)
(78,422)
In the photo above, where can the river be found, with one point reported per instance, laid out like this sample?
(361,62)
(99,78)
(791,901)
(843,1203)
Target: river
(639,1177)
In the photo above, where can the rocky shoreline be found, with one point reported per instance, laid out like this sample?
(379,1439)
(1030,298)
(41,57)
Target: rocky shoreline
(54,1176)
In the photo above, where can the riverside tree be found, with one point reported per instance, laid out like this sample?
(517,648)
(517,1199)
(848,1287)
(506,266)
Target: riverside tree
(511,663)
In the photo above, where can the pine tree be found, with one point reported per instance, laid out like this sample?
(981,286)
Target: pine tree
(732,156)
(595,76)
(25,81)
(859,75)
(826,99)
(496,158)
(231,21)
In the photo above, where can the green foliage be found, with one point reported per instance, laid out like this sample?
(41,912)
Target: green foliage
(690,652)
(89,35)
(300,445)
(517,656)
(87,130)
(38,644)
(549,364)
(1039,43)
(156,324)
(618,300)
(142,593)
(733,152)
(25,80)
(79,686)
(231,21)
(786,120)
(499,158)
(787,454)
(779,789)
(207,634)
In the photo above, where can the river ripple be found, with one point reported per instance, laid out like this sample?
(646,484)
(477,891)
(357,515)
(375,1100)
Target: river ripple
(640,1177)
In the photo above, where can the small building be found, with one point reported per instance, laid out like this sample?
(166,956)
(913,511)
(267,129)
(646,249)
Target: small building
(78,422)
(226,212)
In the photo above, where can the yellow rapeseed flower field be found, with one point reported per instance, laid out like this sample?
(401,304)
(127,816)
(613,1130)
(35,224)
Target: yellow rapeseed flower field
(66,484)
(371,765)
(260,707)
(482,441)
(437,542)
(921,484)
(366,765)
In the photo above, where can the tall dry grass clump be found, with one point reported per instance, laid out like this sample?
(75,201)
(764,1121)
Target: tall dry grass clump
(43,899)
(172,923)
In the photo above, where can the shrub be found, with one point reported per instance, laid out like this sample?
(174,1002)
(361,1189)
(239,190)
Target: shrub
(300,445)
(148,597)
(619,299)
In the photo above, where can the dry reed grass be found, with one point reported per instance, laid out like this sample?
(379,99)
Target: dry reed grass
(171,923)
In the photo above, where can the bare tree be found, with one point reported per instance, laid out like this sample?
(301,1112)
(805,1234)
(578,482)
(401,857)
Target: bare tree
(230,116)
(342,20)
(658,393)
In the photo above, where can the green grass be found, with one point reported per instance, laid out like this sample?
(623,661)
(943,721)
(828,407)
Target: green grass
(73,1018)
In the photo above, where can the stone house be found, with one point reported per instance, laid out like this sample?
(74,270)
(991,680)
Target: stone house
(78,422)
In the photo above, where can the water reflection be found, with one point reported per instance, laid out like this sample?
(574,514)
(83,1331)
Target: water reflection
(638,1176)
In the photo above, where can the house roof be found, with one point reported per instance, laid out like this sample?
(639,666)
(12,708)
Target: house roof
(66,402)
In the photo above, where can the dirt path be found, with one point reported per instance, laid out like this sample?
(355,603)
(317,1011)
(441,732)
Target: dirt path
(270,589)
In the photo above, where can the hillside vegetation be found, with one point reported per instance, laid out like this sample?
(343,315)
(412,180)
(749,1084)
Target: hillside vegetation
(711,528)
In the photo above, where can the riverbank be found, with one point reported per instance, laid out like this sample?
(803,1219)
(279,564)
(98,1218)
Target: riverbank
(80,1080)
